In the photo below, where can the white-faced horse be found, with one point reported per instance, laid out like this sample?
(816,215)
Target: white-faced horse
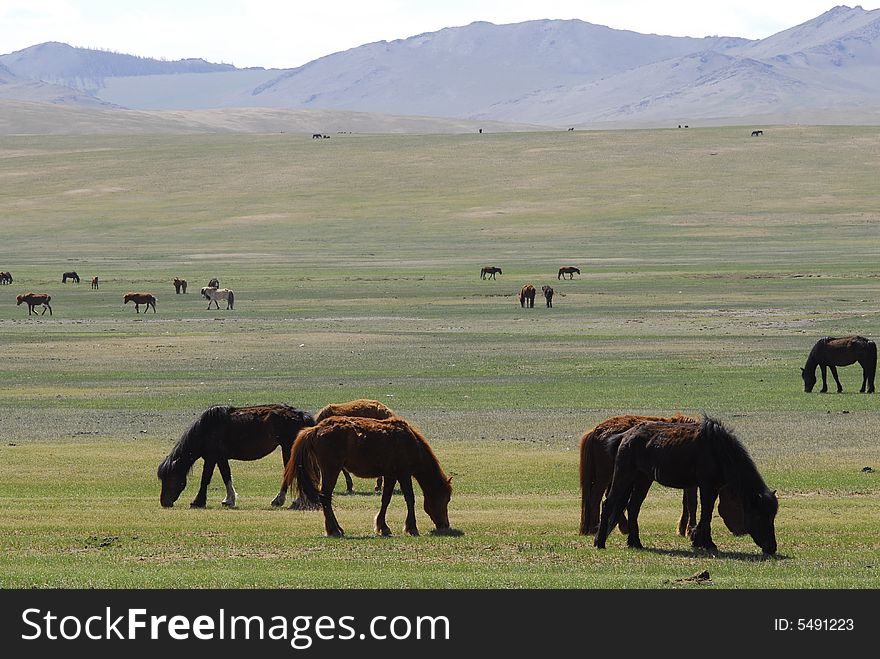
(212,294)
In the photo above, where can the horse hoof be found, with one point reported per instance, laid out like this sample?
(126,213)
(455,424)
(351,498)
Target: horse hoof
(413,532)
(634,544)
(228,504)
(385,533)
(277,503)
(338,533)
(198,504)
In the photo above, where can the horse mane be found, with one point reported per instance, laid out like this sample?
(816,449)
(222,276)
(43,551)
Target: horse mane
(740,472)
(433,476)
(188,448)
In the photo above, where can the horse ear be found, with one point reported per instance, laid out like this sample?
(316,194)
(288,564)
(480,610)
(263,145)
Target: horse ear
(449,480)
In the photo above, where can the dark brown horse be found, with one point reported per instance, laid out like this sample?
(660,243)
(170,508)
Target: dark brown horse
(146,299)
(226,433)
(597,466)
(527,296)
(32,300)
(69,275)
(832,352)
(94,283)
(569,270)
(548,295)
(369,448)
(685,455)
(214,283)
(5,277)
(179,285)
(369,409)
(489,272)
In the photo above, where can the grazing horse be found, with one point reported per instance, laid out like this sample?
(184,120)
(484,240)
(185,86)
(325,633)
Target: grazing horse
(69,275)
(686,455)
(597,465)
(146,299)
(214,283)
(831,352)
(757,133)
(5,277)
(225,433)
(32,300)
(179,285)
(527,296)
(548,295)
(569,270)
(214,294)
(489,272)
(370,409)
(369,448)
(94,283)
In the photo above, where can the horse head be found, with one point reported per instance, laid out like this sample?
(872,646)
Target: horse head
(809,378)
(759,515)
(172,473)
(437,505)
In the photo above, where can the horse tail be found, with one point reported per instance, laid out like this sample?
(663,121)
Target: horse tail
(231,300)
(302,468)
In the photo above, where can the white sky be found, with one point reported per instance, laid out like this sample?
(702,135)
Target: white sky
(288,33)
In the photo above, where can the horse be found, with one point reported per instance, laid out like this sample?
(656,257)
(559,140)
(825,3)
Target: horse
(179,285)
(369,448)
(146,299)
(370,409)
(214,294)
(214,283)
(527,296)
(548,295)
(489,272)
(597,465)
(32,300)
(757,133)
(5,277)
(831,352)
(69,275)
(224,433)
(569,270)
(94,283)
(686,455)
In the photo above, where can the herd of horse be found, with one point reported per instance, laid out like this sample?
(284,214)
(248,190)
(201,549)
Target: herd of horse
(528,292)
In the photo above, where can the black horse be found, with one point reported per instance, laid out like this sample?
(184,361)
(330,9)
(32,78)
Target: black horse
(831,352)
(69,275)
(686,455)
(224,433)
(489,272)
(548,295)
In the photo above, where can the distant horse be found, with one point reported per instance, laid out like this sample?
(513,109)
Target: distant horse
(527,296)
(548,295)
(146,299)
(69,275)
(32,300)
(489,272)
(5,277)
(214,294)
(686,455)
(569,270)
(831,352)
(179,285)
(756,133)
(214,283)
(369,448)
(94,283)
(370,409)
(597,466)
(224,433)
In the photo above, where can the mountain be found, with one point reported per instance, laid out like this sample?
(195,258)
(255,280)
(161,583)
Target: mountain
(548,72)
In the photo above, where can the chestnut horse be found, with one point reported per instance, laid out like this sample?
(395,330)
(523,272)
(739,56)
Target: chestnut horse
(147,299)
(32,300)
(527,296)
(94,283)
(597,465)
(489,272)
(685,455)
(370,409)
(224,433)
(369,448)
(179,285)
(569,270)
(831,352)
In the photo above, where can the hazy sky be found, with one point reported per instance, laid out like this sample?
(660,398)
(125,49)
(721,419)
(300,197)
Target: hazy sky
(287,33)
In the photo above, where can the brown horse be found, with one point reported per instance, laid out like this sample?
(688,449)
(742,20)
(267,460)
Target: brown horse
(548,295)
(569,270)
(179,285)
(369,448)
(32,300)
(597,466)
(226,433)
(831,352)
(370,409)
(489,272)
(686,455)
(527,296)
(94,283)
(141,298)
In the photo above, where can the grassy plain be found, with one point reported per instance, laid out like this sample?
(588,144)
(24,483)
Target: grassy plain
(711,263)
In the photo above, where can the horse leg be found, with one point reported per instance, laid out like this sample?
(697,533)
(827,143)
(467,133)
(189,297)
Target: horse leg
(688,520)
(328,482)
(406,487)
(378,487)
(836,379)
(349,485)
(613,506)
(202,497)
(824,389)
(231,495)
(636,497)
(278,501)
(701,537)
(387,491)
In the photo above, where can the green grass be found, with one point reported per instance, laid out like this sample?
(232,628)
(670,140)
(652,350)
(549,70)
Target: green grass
(711,263)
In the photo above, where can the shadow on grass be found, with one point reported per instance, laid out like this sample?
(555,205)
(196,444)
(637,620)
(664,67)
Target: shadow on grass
(729,555)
